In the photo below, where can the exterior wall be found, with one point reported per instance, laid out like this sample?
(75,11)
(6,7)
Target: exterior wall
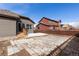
(66,27)
(43,28)
(53,25)
(25,21)
(7,27)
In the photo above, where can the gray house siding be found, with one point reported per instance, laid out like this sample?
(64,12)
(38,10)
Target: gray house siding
(27,22)
(7,27)
(12,23)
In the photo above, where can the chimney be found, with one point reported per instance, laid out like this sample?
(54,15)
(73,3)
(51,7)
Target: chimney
(59,21)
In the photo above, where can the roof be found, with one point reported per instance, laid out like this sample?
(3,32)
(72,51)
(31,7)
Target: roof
(26,18)
(12,15)
(9,17)
(48,19)
(47,24)
(8,13)
(44,25)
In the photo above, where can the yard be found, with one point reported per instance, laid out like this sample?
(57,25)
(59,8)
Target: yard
(36,44)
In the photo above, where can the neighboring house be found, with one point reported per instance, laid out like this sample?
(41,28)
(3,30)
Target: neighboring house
(12,23)
(48,24)
(67,27)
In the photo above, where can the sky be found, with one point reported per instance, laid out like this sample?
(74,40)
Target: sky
(66,12)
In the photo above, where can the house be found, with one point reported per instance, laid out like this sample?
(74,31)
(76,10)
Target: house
(12,23)
(67,27)
(48,24)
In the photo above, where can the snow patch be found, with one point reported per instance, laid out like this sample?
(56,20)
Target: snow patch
(36,34)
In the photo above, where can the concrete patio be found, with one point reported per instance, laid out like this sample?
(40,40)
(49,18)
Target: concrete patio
(37,45)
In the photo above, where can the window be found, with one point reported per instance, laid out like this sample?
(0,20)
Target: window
(18,27)
(28,26)
(38,27)
(23,25)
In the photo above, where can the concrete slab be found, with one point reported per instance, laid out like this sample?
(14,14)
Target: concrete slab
(38,45)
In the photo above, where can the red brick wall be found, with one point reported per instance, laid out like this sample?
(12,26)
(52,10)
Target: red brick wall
(42,27)
(45,21)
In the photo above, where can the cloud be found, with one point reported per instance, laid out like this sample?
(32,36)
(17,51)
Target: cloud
(75,24)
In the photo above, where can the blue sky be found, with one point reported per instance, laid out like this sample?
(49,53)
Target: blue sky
(66,12)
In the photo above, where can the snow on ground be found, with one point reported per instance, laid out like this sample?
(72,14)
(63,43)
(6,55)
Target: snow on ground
(36,34)
(29,35)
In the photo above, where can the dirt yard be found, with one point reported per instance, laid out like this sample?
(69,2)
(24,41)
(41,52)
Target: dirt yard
(73,32)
